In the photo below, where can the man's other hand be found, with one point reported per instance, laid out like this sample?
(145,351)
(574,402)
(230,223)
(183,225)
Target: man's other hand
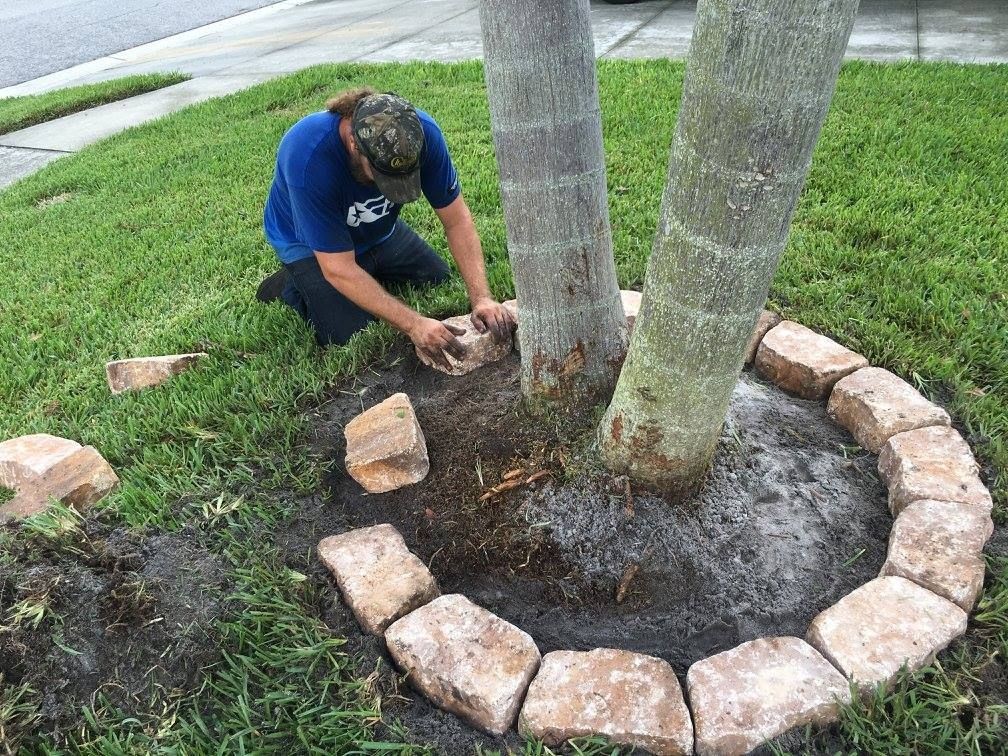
(434,338)
(488,315)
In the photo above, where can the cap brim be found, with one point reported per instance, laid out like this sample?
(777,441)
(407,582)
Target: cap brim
(399,189)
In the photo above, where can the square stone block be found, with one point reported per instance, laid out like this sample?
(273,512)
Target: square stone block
(465,660)
(631,699)
(873,631)
(24,458)
(386,448)
(145,372)
(481,348)
(759,690)
(379,577)
(874,405)
(79,480)
(931,463)
(764,322)
(804,362)
(938,545)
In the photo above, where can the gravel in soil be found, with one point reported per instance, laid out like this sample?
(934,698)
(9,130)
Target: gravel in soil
(791,518)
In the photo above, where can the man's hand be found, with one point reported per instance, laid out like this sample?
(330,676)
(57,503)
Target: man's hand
(433,338)
(488,315)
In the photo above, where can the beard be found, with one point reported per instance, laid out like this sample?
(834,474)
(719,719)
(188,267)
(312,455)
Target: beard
(357,170)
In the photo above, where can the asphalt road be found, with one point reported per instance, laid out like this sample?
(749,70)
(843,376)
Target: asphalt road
(49,35)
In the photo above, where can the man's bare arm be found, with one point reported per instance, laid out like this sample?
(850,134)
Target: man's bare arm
(431,336)
(464,245)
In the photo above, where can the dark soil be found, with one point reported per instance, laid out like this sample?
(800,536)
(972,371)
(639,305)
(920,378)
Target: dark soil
(130,620)
(791,518)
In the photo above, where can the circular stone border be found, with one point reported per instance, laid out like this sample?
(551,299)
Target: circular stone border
(482,668)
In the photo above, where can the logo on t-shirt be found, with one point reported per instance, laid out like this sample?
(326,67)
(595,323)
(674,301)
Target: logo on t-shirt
(367,212)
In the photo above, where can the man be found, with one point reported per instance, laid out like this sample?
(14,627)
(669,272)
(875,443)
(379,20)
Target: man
(342,176)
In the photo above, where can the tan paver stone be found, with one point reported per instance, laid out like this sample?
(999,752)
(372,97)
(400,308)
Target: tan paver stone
(931,463)
(481,348)
(24,458)
(937,544)
(465,660)
(804,362)
(759,690)
(764,323)
(631,699)
(873,631)
(379,577)
(631,305)
(874,405)
(144,372)
(386,449)
(79,480)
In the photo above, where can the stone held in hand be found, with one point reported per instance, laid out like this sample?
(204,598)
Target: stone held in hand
(465,660)
(385,448)
(481,348)
(764,322)
(938,545)
(139,373)
(875,405)
(931,463)
(761,689)
(379,577)
(629,698)
(804,362)
(873,631)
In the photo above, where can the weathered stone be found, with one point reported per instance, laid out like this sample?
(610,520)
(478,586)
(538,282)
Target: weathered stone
(631,699)
(873,631)
(931,463)
(804,362)
(874,405)
(759,690)
(481,348)
(379,577)
(937,544)
(511,305)
(25,458)
(144,372)
(465,660)
(764,323)
(631,306)
(79,480)
(386,449)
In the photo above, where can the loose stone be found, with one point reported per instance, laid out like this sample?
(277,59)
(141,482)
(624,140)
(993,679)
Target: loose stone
(79,480)
(759,690)
(465,660)
(386,449)
(144,372)
(873,631)
(938,545)
(804,362)
(764,323)
(379,577)
(25,458)
(631,699)
(481,348)
(631,306)
(874,405)
(931,463)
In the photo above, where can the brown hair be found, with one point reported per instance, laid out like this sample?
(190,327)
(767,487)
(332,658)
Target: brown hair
(344,103)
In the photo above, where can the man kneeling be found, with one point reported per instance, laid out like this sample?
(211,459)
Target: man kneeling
(342,176)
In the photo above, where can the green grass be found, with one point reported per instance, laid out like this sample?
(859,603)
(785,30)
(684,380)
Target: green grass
(897,249)
(21,112)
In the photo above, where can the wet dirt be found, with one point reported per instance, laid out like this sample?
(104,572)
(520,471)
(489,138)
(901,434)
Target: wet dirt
(791,518)
(129,621)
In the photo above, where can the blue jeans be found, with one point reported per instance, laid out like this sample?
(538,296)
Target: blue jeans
(403,258)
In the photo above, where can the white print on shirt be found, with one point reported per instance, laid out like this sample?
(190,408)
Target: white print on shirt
(367,212)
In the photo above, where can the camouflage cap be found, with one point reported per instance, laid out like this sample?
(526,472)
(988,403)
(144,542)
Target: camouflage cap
(388,133)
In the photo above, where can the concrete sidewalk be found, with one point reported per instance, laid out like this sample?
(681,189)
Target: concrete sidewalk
(245,50)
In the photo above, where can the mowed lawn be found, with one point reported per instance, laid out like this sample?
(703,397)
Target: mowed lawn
(151,243)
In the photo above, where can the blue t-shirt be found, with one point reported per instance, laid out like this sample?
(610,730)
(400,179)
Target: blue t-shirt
(315,203)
